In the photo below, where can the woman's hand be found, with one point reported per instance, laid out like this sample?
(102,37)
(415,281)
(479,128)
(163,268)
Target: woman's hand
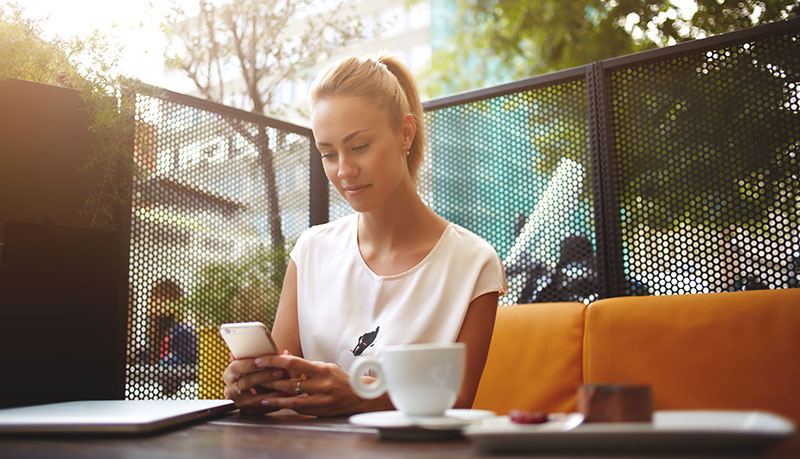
(245,385)
(325,388)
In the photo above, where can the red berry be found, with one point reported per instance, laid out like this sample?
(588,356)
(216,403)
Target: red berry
(527,417)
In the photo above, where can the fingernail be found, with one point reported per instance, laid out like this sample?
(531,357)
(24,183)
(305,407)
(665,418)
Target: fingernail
(265,402)
(277,374)
(257,362)
(286,352)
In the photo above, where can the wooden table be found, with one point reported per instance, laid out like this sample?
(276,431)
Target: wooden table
(235,436)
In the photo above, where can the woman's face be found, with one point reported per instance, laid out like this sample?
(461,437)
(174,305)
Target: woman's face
(362,153)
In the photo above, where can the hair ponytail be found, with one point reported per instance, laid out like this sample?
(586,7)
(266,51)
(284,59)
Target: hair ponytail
(385,80)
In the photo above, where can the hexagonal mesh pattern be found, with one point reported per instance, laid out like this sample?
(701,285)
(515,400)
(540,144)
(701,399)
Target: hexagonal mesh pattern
(706,169)
(687,158)
(516,170)
(206,247)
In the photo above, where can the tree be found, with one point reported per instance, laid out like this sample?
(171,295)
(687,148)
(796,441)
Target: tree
(503,40)
(238,51)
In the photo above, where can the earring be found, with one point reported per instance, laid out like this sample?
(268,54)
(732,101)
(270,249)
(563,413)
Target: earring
(408,152)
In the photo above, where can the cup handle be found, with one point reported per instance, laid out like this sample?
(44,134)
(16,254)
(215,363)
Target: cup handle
(361,366)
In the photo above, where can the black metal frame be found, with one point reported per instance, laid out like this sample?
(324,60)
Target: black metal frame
(318,198)
(605,204)
(243,115)
(614,63)
(539,81)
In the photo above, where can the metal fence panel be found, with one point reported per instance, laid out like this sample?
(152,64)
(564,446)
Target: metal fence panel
(206,246)
(516,170)
(705,149)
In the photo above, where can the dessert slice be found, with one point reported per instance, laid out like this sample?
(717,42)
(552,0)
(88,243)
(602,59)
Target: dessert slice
(615,403)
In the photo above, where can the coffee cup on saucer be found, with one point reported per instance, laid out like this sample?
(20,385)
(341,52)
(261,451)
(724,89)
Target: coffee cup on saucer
(422,379)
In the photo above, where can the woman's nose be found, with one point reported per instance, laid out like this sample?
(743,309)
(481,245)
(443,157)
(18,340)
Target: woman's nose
(347,167)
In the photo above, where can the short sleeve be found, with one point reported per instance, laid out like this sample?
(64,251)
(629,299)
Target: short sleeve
(299,247)
(492,276)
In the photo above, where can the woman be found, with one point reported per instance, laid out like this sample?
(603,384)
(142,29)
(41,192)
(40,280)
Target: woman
(393,272)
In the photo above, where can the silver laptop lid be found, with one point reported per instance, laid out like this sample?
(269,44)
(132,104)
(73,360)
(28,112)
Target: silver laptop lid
(108,416)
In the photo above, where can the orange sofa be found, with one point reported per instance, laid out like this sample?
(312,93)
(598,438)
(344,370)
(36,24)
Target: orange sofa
(736,350)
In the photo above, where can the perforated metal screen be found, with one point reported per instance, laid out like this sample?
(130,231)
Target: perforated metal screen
(660,173)
(206,247)
(516,170)
(705,166)
(668,172)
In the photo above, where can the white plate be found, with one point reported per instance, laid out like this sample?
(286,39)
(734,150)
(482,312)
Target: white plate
(394,425)
(669,431)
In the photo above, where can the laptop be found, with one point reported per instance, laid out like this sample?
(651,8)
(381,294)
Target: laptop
(108,416)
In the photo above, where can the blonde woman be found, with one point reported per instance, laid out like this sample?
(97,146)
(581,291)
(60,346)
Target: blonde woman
(393,272)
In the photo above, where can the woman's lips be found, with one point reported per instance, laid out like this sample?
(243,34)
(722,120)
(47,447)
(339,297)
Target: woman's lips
(355,190)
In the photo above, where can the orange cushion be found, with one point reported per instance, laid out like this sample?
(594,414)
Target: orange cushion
(534,360)
(736,350)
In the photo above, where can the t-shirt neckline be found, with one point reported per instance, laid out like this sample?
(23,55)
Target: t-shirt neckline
(418,266)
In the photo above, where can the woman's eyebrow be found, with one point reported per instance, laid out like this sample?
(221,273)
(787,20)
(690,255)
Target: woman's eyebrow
(346,138)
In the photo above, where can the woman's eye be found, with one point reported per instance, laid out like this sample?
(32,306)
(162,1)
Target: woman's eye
(361,147)
(328,155)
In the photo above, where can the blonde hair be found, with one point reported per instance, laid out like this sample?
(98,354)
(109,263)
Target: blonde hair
(383,80)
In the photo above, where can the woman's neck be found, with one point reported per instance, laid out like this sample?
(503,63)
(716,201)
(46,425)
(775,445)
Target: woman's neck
(402,222)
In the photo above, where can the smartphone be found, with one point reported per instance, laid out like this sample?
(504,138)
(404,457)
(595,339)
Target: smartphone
(248,340)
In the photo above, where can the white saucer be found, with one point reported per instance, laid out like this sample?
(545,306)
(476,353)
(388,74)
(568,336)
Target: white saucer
(395,425)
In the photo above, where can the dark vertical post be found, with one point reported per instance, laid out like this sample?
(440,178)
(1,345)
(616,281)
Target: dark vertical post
(318,189)
(606,203)
(123,214)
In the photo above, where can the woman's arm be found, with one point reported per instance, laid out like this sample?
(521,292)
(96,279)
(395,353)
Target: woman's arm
(476,333)
(285,329)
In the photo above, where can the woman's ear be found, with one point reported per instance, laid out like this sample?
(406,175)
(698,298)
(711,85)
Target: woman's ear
(408,129)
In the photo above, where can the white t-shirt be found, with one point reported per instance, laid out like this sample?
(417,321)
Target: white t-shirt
(345,310)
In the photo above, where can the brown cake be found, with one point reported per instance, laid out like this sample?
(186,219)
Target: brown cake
(615,403)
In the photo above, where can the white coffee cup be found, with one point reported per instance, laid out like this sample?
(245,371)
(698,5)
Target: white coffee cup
(422,379)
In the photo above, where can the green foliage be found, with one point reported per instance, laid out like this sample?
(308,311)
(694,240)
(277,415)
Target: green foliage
(747,101)
(87,65)
(240,290)
(24,54)
(496,41)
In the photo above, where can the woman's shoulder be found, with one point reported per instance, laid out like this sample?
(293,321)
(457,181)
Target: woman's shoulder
(334,230)
(336,227)
(469,256)
(466,240)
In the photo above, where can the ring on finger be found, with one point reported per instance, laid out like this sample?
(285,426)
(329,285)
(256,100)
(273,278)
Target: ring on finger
(297,389)
(236,385)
